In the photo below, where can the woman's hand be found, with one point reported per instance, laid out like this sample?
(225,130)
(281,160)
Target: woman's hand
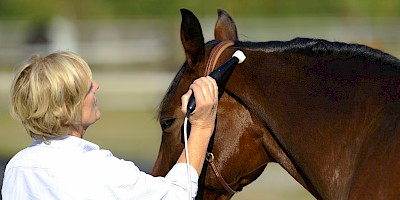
(205,91)
(202,119)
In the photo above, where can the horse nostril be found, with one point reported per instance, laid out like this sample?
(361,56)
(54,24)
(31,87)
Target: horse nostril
(166,122)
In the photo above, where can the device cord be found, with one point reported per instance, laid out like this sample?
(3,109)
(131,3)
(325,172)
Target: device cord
(185,138)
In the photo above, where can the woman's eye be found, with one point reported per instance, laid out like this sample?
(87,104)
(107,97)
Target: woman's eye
(90,89)
(166,123)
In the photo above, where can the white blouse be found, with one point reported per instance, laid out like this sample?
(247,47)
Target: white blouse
(73,168)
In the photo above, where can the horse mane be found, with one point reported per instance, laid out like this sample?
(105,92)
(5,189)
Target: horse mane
(320,47)
(305,46)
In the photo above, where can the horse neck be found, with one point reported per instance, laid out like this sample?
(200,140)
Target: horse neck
(306,125)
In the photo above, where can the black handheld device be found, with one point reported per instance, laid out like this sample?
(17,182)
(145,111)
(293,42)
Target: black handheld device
(221,75)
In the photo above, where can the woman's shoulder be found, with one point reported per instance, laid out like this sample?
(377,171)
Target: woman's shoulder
(33,156)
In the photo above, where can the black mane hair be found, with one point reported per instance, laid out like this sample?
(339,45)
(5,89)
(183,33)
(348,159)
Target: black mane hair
(306,46)
(320,47)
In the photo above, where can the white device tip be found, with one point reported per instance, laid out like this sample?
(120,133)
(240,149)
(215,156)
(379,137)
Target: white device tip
(240,55)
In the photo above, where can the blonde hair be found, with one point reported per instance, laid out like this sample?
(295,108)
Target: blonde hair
(47,92)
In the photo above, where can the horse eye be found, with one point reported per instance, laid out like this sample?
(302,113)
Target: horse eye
(166,123)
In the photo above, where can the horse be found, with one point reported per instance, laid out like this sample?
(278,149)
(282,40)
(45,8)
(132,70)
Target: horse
(327,112)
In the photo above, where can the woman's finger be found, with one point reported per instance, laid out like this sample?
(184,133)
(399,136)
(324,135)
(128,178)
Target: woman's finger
(185,99)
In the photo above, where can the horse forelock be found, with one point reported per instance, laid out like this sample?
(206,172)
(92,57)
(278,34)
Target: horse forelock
(175,82)
(320,47)
(171,89)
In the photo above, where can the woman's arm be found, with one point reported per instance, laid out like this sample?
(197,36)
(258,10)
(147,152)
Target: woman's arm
(202,120)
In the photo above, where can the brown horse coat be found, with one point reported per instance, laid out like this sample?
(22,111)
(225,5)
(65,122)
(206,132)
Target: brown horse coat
(327,112)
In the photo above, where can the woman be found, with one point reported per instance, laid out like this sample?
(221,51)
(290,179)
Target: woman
(54,98)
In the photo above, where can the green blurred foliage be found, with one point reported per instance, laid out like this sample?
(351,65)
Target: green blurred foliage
(95,9)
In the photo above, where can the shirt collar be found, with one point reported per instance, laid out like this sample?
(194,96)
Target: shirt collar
(67,141)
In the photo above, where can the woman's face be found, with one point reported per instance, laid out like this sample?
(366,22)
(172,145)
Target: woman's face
(90,111)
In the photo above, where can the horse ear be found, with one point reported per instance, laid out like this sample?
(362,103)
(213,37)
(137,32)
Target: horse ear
(225,28)
(192,38)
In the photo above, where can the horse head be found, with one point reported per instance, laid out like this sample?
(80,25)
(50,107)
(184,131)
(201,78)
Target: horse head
(239,138)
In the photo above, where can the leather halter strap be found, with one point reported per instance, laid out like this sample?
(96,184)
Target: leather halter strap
(210,159)
(212,61)
(215,54)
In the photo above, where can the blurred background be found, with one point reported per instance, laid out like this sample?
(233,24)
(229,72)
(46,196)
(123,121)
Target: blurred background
(134,50)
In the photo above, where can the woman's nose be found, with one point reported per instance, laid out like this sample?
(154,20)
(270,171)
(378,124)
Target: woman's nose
(95,86)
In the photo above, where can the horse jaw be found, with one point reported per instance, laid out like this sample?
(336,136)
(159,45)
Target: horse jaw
(239,136)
